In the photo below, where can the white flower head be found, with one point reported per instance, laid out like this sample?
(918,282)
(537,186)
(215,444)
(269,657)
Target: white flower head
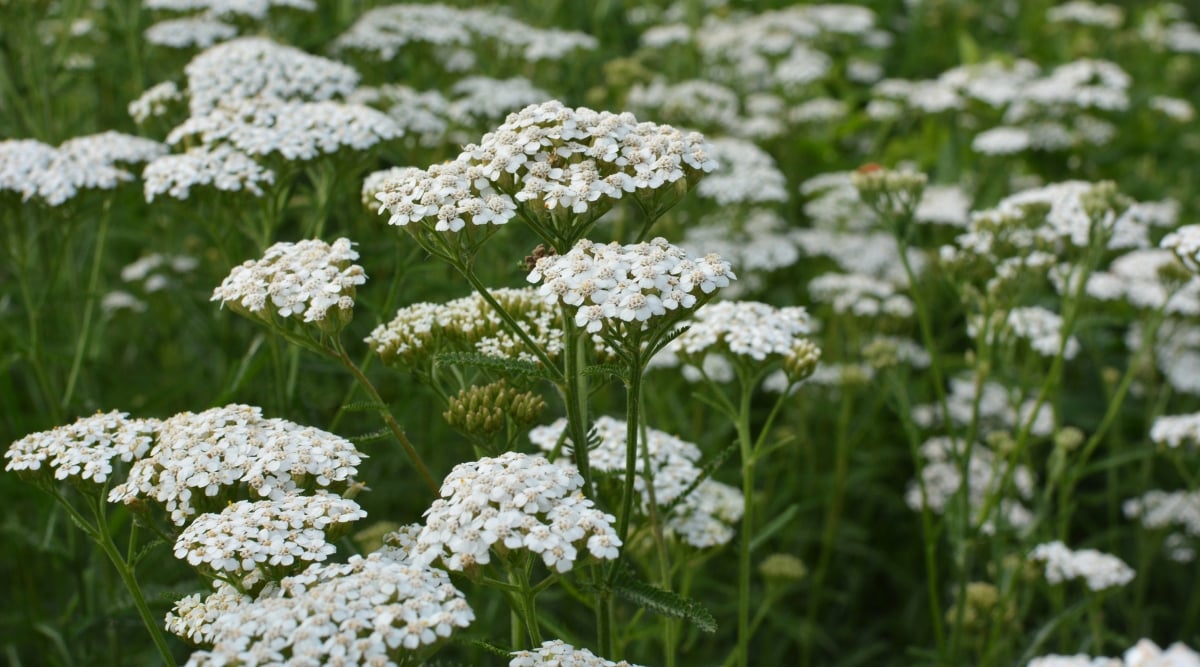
(304,280)
(202,461)
(557,653)
(1099,570)
(266,536)
(613,285)
(84,450)
(373,610)
(514,501)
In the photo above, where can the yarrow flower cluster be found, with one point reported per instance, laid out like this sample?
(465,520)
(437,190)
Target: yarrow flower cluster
(511,502)
(372,610)
(704,518)
(1040,327)
(1185,242)
(1145,653)
(202,461)
(258,68)
(942,480)
(613,284)
(266,535)
(221,167)
(295,131)
(469,323)
(303,280)
(1158,510)
(84,450)
(743,329)
(1099,570)
(1176,430)
(386,31)
(547,157)
(557,653)
(55,175)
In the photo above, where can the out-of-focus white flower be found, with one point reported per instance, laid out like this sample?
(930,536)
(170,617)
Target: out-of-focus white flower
(386,31)
(56,175)
(747,175)
(1099,570)
(221,167)
(942,478)
(254,9)
(189,32)
(1085,12)
(703,519)
(258,68)
(154,101)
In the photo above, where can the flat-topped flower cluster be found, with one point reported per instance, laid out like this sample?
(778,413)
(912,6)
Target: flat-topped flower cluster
(303,280)
(513,502)
(546,157)
(610,284)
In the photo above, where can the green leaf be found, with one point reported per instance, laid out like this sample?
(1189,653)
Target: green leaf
(363,406)
(663,603)
(774,527)
(612,370)
(500,365)
(370,437)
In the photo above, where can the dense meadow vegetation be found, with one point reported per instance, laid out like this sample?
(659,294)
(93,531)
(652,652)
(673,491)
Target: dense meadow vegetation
(705,332)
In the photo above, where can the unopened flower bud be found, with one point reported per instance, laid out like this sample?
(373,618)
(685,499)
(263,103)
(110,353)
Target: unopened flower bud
(802,360)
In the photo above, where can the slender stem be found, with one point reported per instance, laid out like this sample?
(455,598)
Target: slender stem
(746,444)
(510,322)
(575,394)
(100,534)
(93,287)
(340,353)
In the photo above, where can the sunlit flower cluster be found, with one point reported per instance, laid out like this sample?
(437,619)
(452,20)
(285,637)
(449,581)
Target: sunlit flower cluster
(1041,328)
(304,280)
(610,284)
(1099,570)
(85,450)
(372,610)
(201,461)
(547,157)
(273,534)
(704,518)
(513,502)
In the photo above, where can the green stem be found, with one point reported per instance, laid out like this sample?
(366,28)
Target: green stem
(746,445)
(340,354)
(99,532)
(93,287)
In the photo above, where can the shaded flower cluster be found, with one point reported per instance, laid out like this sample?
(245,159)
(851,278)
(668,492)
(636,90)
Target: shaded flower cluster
(1099,570)
(703,518)
(557,653)
(469,323)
